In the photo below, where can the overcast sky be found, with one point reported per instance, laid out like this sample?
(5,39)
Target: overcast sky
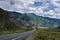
(46,8)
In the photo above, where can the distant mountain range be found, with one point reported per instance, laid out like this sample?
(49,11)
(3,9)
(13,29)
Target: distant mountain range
(29,20)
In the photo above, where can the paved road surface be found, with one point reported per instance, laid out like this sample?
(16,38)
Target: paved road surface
(30,37)
(16,36)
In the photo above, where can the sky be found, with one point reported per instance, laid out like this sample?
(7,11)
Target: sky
(45,8)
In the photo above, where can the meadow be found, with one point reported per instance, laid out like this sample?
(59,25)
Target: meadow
(47,34)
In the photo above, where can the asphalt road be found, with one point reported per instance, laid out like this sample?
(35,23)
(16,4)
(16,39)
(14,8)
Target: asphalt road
(16,36)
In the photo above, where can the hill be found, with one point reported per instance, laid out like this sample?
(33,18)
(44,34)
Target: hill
(25,20)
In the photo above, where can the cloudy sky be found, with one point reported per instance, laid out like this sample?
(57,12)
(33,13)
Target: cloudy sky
(46,8)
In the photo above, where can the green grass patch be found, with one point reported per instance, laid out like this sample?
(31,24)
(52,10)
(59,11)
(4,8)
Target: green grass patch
(13,31)
(47,34)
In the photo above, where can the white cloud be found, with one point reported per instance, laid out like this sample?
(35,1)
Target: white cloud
(25,6)
(57,9)
(52,14)
(39,10)
(32,8)
(56,3)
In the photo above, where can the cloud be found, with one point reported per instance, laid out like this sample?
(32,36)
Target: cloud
(52,14)
(46,8)
(39,10)
(56,3)
(57,9)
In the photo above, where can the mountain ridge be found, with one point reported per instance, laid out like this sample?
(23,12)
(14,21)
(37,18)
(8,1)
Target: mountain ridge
(29,20)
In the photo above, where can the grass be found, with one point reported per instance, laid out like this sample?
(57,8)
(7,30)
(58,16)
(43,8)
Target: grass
(12,31)
(47,34)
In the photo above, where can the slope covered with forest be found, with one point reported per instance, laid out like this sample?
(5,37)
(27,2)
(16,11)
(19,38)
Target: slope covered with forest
(13,20)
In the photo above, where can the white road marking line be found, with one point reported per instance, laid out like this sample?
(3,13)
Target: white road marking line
(18,37)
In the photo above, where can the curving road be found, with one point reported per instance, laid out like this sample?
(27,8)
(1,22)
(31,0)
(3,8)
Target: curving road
(16,36)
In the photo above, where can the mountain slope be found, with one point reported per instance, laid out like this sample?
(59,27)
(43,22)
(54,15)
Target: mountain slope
(28,20)
(5,23)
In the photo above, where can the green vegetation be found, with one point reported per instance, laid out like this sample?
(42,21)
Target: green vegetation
(6,26)
(12,22)
(47,34)
(12,31)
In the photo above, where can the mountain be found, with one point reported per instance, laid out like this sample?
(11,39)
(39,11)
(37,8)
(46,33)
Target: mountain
(5,23)
(52,19)
(27,20)
(31,20)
